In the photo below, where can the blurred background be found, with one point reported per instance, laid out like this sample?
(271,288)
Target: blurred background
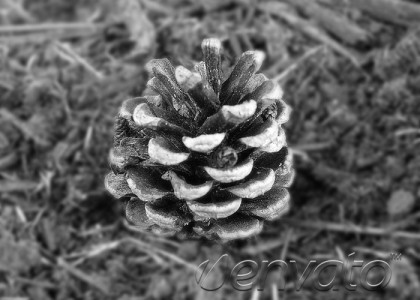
(350,71)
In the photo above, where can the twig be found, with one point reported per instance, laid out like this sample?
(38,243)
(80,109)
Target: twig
(378,253)
(36,38)
(97,230)
(242,31)
(255,294)
(332,22)
(40,33)
(164,253)
(274,292)
(23,127)
(157,8)
(87,142)
(42,284)
(295,65)
(37,218)
(96,250)
(314,146)
(8,160)
(17,185)
(67,52)
(407,131)
(412,219)
(352,228)
(393,11)
(83,276)
(28,28)
(263,246)
(17,8)
(299,153)
(20,214)
(155,237)
(285,249)
(286,244)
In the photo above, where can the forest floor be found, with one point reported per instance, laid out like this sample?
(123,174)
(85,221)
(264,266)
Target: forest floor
(350,71)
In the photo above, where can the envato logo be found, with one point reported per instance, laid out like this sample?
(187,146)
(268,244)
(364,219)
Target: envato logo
(248,274)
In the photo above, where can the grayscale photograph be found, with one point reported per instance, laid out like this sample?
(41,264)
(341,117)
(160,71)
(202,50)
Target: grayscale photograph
(209,149)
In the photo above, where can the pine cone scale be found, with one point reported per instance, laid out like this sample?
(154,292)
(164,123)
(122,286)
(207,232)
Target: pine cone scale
(218,208)
(211,51)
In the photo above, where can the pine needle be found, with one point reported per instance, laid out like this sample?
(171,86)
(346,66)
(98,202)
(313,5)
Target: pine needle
(286,73)
(352,228)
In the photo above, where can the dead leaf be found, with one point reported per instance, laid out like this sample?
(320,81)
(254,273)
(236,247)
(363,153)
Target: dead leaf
(141,29)
(17,256)
(401,202)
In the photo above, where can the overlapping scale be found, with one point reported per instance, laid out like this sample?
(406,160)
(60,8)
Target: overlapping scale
(257,184)
(129,152)
(283,111)
(265,94)
(128,106)
(269,206)
(273,160)
(286,180)
(184,190)
(166,84)
(186,79)
(211,51)
(135,212)
(167,214)
(146,185)
(220,205)
(122,157)
(233,88)
(165,153)
(277,144)
(204,143)
(261,135)
(207,91)
(232,174)
(253,83)
(228,117)
(199,90)
(116,185)
(144,117)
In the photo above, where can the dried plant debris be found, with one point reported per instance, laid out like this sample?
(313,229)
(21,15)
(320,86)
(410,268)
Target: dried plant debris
(17,256)
(223,151)
(401,202)
(397,12)
(68,66)
(338,25)
(400,59)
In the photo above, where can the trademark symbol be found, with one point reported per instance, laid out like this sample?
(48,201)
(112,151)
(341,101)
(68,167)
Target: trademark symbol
(395,256)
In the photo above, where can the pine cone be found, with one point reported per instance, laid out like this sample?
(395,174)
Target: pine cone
(204,156)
